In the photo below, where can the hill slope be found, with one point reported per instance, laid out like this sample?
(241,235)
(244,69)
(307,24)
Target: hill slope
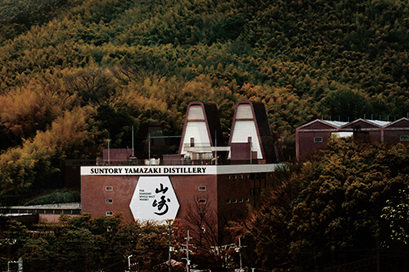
(141,62)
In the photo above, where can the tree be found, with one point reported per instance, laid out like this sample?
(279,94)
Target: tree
(115,124)
(12,237)
(151,248)
(75,250)
(35,164)
(331,208)
(347,105)
(37,255)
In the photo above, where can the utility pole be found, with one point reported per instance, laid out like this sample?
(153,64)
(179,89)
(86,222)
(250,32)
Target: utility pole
(129,263)
(238,249)
(187,251)
(170,248)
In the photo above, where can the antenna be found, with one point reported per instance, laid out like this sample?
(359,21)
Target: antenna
(215,145)
(109,150)
(149,144)
(133,140)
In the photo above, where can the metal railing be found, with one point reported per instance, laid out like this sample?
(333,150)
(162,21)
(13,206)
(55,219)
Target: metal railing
(140,162)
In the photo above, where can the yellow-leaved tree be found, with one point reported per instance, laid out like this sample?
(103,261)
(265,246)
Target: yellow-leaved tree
(35,163)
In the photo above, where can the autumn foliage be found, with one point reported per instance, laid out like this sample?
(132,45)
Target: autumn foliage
(143,62)
(339,208)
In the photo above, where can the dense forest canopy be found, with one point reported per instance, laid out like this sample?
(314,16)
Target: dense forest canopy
(139,63)
(336,212)
(85,244)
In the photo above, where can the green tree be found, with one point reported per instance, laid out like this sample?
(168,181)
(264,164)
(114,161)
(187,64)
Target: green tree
(331,208)
(12,237)
(75,251)
(37,255)
(346,105)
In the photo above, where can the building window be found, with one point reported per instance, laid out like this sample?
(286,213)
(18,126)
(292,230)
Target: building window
(235,201)
(108,213)
(241,200)
(192,142)
(255,191)
(247,199)
(109,188)
(228,201)
(202,188)
(201,201)
(317,139)
(404,138)
(109,200)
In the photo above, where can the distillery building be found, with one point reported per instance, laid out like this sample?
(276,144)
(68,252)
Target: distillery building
(315,135)
(205,176)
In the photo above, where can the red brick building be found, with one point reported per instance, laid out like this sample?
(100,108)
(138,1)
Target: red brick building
(204,175)
(396,132)
(315,135)
(367,130)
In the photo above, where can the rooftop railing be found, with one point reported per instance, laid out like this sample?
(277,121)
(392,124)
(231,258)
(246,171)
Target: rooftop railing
(139,162)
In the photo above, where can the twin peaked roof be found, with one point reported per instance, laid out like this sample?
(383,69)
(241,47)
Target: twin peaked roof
(250,125)
(360,123)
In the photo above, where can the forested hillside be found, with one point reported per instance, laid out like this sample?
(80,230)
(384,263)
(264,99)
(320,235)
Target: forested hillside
(73,71)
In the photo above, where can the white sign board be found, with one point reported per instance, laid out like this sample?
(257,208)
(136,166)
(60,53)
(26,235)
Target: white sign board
(177,170)
(147,170)
(154,199)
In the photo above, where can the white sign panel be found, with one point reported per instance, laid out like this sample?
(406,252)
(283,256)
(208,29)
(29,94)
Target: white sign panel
(154,199)
(179,170)
(147,170)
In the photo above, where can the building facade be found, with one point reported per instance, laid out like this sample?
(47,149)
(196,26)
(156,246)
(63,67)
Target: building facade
(315,135)
(396,132)
(205,177)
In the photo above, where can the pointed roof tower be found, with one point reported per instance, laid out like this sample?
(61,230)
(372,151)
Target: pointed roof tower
(250,125)
(202,127)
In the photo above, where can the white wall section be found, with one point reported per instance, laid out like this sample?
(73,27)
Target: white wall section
(244,112)
(244,129)
(195,113)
